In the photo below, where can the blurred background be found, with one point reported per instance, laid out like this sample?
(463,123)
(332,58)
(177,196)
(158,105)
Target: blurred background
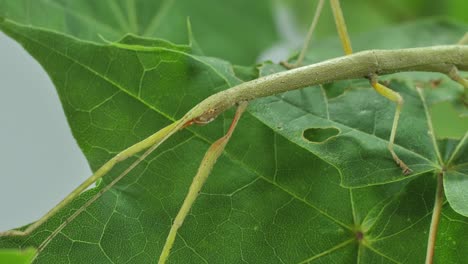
(40,161)
(366,15)
(294,17)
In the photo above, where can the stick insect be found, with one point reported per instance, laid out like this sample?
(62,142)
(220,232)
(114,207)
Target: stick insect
(365,64)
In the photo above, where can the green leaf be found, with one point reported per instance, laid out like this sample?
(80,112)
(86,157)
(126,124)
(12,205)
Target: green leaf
(364,120)
(456,177)
(270,198)
(15,256)
(238,32)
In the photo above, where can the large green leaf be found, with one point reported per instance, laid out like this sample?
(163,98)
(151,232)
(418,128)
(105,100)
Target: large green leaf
(238,30)
(270,198)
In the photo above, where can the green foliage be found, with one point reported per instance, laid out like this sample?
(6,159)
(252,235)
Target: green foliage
(242,35)
(15,256)
(274,196)
(367,15)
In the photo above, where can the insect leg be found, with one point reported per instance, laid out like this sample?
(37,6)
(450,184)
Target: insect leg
(341,26)
(381,89)
(151,142)
(454,74)
(398,99)
(307,39)
(463,40)
(206,165)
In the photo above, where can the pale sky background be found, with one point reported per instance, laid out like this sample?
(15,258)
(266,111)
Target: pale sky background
(40,162)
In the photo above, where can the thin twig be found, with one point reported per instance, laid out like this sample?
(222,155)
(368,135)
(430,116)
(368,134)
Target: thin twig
(439,200)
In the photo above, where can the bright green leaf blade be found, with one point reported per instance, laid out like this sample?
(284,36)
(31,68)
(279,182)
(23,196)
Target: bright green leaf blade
(455,185)
(238,32)
(403,223)
(456,177)
(15,256)
(268,200)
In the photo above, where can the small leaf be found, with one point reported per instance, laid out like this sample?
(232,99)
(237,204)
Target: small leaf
(15,256)
(456,177)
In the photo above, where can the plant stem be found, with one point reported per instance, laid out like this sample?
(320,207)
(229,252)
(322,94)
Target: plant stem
(439,200)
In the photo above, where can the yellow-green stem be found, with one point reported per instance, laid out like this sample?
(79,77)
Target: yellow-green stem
(438,203)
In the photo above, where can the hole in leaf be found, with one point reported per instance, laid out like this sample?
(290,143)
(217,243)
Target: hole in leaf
(319,135)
